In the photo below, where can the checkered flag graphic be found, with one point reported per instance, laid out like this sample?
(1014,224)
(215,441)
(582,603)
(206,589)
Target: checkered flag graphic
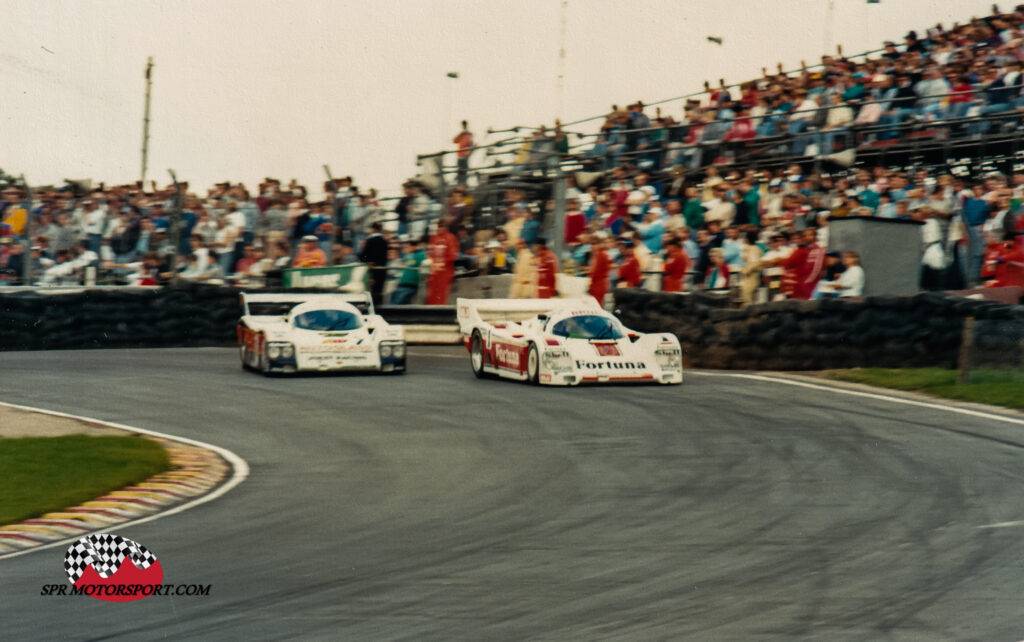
(105,553)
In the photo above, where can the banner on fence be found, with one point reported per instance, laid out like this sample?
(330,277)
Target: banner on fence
(350,278)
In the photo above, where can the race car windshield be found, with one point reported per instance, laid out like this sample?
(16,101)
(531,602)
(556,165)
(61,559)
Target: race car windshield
(271,308)
(327,321)
(588,326)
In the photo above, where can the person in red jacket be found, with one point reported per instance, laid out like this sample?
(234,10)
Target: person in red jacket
(803,268)
(676,264)
(443,250)
(575,223)
(1009,266)
(547,267)
(599,269)
(742,128)
(630,275)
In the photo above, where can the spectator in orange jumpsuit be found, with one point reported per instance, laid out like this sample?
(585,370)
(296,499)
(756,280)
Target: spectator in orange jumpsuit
(443,250)
(630,275)
(600,268)
(547,268)
(309,255)
(676,264)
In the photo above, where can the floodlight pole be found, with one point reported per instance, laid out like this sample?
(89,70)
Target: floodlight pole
(145,118)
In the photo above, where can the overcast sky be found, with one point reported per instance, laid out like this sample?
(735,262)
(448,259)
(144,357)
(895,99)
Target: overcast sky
(244,89)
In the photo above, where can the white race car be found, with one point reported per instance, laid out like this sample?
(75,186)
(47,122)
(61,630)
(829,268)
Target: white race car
(563,342)
(317,332)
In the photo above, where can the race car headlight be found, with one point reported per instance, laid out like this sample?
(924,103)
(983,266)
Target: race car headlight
(399,350)
(280,350)
(385,351)
(669,358)
(557,359)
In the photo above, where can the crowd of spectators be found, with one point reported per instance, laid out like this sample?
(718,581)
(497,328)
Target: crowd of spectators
(123,234)
(965,79)
(645,221)
(763,235)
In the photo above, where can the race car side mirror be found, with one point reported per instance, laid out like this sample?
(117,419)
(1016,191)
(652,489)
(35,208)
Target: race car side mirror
(633,336)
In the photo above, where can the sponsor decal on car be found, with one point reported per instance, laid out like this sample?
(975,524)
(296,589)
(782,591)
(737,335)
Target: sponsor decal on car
(334,348)
(611,365)
(506,355)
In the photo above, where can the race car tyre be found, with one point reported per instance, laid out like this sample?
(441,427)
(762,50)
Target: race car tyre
(476,355)
(264,366)
(242,353)
(533,365)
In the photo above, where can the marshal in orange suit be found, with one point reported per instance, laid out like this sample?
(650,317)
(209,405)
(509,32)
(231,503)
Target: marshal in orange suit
(443,250)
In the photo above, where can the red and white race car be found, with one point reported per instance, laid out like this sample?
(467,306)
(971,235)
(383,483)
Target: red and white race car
(563,342)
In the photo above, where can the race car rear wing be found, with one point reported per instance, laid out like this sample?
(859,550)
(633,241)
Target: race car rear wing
(474,311)
(280,303)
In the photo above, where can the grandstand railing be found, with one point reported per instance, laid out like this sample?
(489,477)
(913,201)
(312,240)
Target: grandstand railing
(955,132)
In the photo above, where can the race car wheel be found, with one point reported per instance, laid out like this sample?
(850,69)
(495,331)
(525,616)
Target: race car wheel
(244,354)
(264,363)
(533,365)
(476,354)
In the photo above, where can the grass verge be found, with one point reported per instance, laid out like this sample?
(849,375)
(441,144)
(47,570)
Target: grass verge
(995,387)
(44,474)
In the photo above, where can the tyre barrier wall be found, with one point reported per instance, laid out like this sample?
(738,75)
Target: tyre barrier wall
(884,331)
(179,315)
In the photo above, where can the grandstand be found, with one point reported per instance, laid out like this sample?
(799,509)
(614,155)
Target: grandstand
(926,130)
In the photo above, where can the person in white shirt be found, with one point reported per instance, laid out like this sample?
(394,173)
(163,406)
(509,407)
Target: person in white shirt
(719,208)
(801,117)
(850,282)
(822,219)
(839,118)
(94,223)
(224,243)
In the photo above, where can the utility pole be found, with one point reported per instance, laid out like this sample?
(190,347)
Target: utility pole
(560,85)
(26,257)
(145,118)
(830,13)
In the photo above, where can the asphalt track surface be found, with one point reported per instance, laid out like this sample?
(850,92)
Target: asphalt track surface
(434,506)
